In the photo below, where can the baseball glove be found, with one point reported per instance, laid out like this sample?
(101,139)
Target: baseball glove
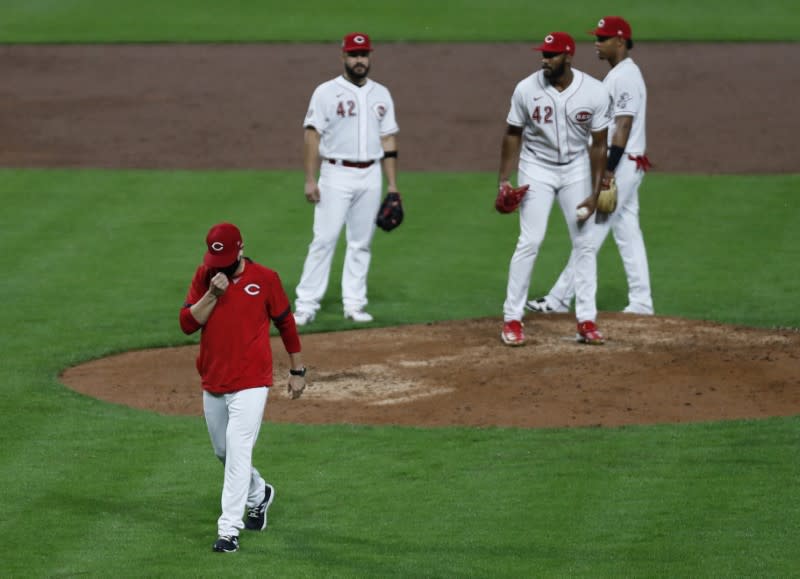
(390,214)
(607,200)
(508,197)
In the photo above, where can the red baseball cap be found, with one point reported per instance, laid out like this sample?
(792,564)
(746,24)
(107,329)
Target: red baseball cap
(356,42)
(224,242)
(557,42)
(613,26)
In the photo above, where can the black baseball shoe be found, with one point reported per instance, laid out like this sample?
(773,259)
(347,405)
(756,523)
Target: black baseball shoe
(540,306)
(226,544)
(257,516)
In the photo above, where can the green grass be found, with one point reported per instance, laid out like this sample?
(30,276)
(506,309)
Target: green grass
(96,262)
(411,20)
(136,495)
(117,238)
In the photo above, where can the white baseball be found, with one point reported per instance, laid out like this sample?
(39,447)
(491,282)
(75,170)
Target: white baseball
(583,212)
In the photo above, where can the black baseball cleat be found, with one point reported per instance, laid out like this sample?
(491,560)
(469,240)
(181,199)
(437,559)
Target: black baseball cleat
(226,544)
(541,306)
(257,515)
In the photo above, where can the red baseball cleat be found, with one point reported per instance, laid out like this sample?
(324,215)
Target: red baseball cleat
(512,334)
(589,334)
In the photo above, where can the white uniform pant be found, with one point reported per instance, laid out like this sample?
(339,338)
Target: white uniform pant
(570,184)
(233,422)
(349,197)
(624,224)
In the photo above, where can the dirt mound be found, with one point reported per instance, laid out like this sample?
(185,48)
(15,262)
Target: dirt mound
(651,370)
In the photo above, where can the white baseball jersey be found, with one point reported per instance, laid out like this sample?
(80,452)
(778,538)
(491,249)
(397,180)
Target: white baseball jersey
(558,124)
(351,119)
(626,85)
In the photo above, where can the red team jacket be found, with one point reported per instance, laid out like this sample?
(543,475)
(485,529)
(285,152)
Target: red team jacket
(235,351)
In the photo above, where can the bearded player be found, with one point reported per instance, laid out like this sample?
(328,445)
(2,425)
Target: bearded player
(554,113)
(350,140)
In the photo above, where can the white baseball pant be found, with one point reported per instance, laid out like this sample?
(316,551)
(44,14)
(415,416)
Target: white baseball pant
(234,421)
(349,197)
(624,224)
(571,184)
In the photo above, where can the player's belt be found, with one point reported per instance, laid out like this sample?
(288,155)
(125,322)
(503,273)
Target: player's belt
(353,164)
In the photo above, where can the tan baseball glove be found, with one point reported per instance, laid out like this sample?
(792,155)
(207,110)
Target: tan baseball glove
(607,200)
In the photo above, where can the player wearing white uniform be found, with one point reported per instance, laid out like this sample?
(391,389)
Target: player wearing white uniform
(350,139)
(627,162)
(554,112)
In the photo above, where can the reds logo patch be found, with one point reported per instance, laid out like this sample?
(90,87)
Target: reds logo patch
(583,116)
(380,110)
(252,289)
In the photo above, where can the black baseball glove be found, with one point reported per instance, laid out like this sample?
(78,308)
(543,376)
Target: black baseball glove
(390,215)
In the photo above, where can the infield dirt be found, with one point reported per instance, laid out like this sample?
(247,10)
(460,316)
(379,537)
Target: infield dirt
(241,106)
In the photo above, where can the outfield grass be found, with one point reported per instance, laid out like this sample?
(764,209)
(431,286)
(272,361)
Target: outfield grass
(411,20)
(97,262)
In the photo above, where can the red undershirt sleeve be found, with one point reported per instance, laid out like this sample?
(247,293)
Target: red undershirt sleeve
(188,324)
(288,330)
(284,321)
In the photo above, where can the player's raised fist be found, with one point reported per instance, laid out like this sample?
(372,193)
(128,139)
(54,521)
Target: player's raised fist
(219,283)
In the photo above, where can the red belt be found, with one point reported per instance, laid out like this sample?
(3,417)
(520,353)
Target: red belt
(642,162)
(354,164)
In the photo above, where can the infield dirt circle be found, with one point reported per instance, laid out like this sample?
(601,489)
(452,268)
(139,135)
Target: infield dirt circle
(241,106)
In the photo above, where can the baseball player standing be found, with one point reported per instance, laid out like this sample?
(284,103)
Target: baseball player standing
(350,140)
(233,299)
(627,162)
(554,113)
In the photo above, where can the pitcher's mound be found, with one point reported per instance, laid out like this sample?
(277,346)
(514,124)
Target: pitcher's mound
(651,370)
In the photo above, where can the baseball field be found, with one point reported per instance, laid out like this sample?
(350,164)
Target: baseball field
(423,447)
